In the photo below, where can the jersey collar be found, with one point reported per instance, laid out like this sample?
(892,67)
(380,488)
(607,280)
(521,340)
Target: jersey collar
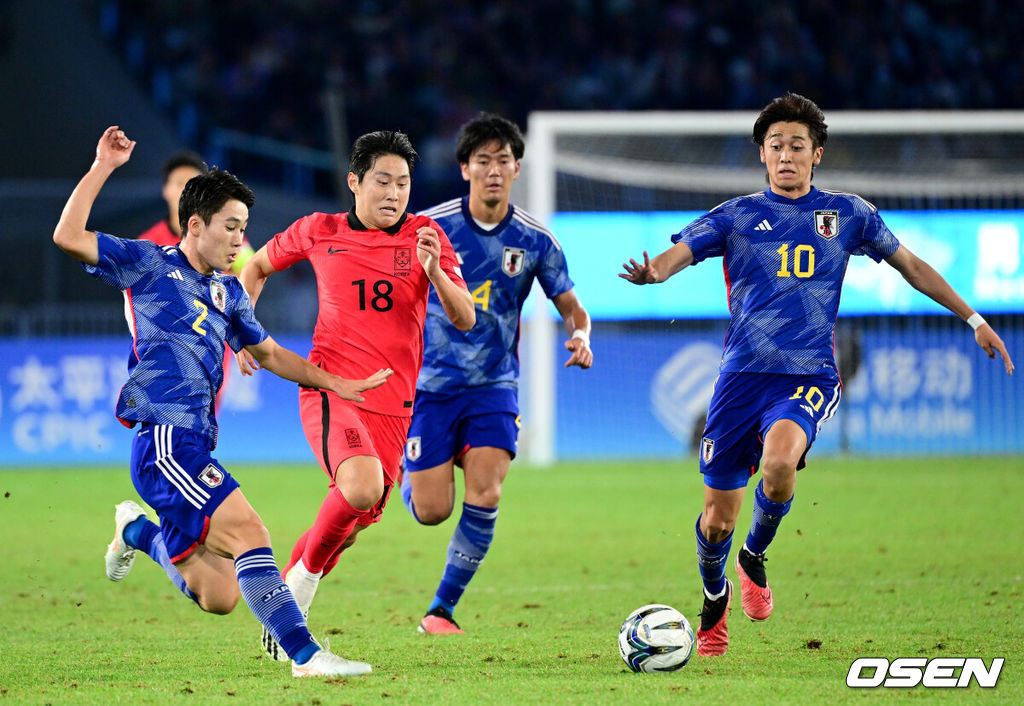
(355,224)
(809,196)
(468,218)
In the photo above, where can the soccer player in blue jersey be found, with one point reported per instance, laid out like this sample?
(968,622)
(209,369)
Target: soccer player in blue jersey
(467,411)
(181,311)
(785,253)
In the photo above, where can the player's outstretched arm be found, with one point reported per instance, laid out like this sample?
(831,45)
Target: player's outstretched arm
(457,302)
(577,323)
(926,280)
(70,235)
(253,276)
(290,366)
(660,268)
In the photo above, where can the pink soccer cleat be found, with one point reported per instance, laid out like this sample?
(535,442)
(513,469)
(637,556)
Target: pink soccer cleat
(755,594)
(439,622)
(713,635)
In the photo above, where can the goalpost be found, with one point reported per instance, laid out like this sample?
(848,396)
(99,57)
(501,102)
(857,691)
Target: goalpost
(691,161)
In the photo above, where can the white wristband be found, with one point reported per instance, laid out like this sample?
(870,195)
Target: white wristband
(582,335)
(975,320)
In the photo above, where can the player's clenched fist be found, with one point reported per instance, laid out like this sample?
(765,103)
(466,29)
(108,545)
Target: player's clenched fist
(428,248)
(114,147)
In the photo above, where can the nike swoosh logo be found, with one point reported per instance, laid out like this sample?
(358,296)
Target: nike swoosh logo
(332,250)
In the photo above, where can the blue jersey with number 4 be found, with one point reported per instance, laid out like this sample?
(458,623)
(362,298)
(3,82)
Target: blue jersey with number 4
(784,262)
(499,266)
(179,320)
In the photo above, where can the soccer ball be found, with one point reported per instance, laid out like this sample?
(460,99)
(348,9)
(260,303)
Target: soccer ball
(656,638)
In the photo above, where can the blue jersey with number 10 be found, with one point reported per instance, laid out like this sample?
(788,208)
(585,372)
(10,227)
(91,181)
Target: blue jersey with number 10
(499,267)
(179,320)
(784,262)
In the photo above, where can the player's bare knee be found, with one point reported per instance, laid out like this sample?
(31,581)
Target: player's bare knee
(433,514)
(716,525)
(251,532)
(778,479)
(716,532)
(364,497)
(217,594)
(219,603)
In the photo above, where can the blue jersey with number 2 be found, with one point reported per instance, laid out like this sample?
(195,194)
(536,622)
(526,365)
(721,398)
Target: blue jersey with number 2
(784,262)
(179,320)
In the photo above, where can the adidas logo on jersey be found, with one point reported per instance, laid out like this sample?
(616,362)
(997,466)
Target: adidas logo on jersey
(176,275)
(763,225)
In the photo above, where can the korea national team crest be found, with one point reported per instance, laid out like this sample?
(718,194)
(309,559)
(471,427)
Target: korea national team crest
(413,448)
(219,293)
(707,449)
(212,476)
(826,224)
(513,260)
(403,259)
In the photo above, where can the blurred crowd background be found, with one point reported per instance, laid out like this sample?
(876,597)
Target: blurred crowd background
(276,90)
(264,68)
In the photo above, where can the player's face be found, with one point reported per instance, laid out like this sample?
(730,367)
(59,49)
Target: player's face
(217,245)
(790,155)
(490,172)
(383,194)
(174,185)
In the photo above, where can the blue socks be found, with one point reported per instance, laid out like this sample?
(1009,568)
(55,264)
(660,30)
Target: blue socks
(145,535)
(469,545)
(767,516)
(407,497)
(272,603)
(259,580)
(711,560)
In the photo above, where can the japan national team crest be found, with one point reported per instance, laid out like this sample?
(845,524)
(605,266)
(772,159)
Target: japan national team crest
(512,261)
(826,224)
(212,476)
(219,293)
(707,449)
(413,448)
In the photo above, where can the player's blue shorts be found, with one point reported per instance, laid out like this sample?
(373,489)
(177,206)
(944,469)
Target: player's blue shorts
(445,426)
(744,407)
(173,471)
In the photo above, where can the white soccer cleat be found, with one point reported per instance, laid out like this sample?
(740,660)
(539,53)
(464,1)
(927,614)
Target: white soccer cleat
(303,586)
(120,557)
(328,664)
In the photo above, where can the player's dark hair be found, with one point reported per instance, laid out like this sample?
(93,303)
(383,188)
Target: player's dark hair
(185,158)
(792,108)
(207,193)
(488,127)
(369,147)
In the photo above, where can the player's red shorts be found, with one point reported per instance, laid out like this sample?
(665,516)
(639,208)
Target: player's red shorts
(337,429)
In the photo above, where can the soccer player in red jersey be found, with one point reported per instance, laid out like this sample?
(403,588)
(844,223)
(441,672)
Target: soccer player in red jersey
(177,170)
(374,267)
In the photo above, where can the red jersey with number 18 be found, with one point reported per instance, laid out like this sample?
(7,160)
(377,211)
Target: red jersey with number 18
(372,293)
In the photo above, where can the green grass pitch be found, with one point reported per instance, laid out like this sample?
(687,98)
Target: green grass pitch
(878,558)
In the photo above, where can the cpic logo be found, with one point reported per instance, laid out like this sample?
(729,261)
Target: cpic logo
(937,673)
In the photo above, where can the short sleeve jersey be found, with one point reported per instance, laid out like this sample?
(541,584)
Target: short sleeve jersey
(372,294)
(499,266)
(784,262)
(180,321)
